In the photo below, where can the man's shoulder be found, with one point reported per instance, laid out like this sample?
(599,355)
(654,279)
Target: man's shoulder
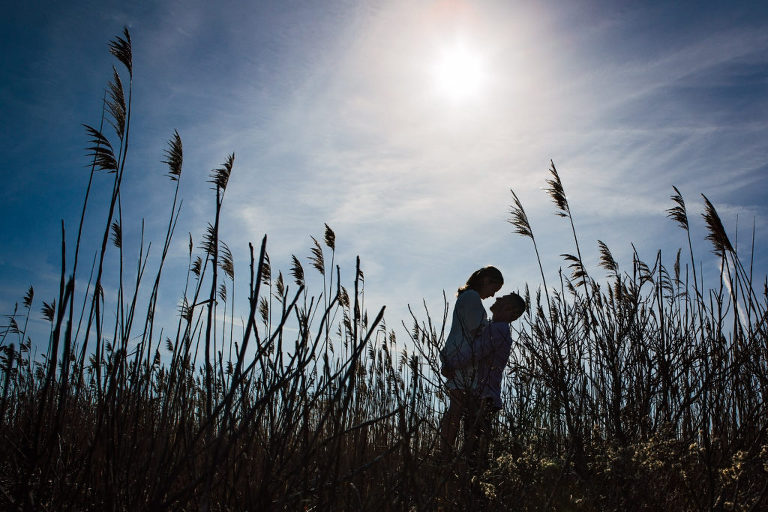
(499,329)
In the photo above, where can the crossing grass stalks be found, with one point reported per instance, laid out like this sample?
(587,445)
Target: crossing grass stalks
(643,390)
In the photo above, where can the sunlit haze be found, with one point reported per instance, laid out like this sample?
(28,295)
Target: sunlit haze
(460,72)
(402,125)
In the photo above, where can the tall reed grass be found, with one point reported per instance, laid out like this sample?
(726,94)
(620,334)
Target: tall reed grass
(642,390)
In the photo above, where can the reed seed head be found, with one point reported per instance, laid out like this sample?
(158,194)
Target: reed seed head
(518,218)
(557,192)
(716,230)
(174,156)
(120,47)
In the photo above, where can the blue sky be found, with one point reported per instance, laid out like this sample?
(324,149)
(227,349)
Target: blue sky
(336,115)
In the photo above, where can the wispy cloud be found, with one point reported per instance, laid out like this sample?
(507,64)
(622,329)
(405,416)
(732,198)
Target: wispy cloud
(332,114)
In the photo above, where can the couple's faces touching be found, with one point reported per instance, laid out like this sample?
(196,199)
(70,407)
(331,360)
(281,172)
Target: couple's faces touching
(489,288)
(502,310)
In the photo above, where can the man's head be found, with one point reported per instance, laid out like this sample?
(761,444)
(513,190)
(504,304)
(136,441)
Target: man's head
(508,308)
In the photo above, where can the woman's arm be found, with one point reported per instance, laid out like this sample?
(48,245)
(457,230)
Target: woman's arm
(491,337)
(469,317)
(471,314)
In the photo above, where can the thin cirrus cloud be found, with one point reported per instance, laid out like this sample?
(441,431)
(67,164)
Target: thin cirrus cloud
(334,116)
(409,179)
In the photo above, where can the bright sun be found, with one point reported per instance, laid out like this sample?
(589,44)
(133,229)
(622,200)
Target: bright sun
(460,73)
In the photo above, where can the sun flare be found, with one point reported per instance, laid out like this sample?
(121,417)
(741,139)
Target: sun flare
(460,73)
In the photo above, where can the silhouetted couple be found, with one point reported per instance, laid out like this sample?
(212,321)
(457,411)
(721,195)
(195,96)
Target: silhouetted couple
(473,361)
